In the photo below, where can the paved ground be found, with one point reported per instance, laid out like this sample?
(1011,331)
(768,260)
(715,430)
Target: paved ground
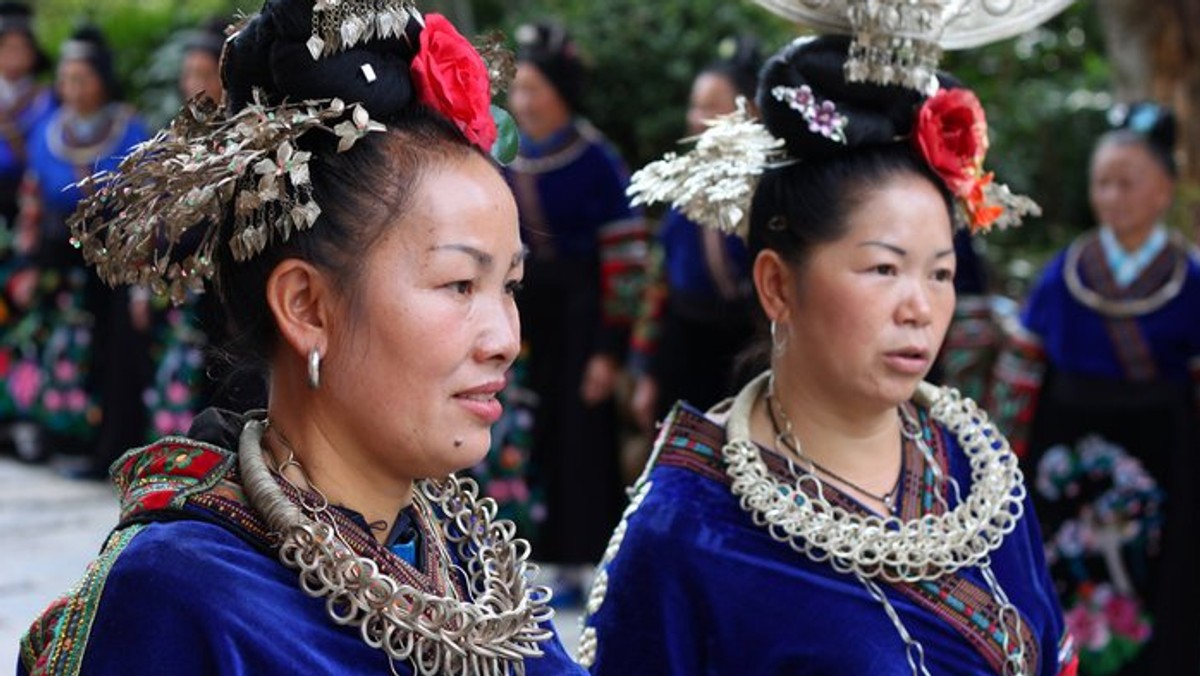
(50,528)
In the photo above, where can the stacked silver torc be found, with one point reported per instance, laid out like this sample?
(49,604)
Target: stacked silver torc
(492,633)
(900,41)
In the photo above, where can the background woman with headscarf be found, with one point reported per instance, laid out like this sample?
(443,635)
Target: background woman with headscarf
(91,360)
(1101,372)
(23,102)
(583,279)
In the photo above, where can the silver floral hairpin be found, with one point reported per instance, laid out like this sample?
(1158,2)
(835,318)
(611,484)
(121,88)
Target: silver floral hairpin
(714,182)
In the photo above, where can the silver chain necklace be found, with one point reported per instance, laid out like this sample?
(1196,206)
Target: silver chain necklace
(786,440)
(872,548)
(491,635)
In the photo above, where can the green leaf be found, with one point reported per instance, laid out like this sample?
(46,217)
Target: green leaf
(504,150)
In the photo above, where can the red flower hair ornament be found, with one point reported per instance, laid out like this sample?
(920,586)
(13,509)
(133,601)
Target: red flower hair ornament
(451,77)
(950,132)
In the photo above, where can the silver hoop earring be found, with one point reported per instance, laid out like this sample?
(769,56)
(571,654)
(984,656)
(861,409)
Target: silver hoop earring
(778,340)
(314,368)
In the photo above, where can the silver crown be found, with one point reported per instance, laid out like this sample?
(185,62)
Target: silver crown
(899,42)
(341,24)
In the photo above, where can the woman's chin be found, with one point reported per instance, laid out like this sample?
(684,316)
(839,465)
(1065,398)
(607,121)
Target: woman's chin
(467,450)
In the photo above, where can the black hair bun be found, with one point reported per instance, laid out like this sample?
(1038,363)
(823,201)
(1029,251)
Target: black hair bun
(1154,122)
(270,53)
(549,46)
(741,59)
(875,114)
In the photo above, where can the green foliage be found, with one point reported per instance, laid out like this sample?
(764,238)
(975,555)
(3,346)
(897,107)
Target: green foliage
(1045,93)
(138,31)
(642,57)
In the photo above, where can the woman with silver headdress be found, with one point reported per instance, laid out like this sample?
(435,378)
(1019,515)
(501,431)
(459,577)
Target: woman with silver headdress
(1099,380)
(367,249)
(838,516)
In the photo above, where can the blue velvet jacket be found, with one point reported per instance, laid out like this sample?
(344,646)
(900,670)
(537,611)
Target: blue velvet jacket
(189,583)
(691,585)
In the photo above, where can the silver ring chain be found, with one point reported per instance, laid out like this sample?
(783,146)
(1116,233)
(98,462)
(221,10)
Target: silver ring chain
(491,635)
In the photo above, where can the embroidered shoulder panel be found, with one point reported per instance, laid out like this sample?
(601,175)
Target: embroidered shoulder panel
(56,642)
(691,441)
(166,473)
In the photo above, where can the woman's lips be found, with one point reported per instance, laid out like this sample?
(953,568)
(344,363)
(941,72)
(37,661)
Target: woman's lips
(482,402)
(909,361)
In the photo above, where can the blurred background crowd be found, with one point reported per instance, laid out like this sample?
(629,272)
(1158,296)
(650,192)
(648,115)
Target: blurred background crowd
(624,311)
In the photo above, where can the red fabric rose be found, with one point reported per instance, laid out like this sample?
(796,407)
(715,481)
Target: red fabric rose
(450,76)
(951,134)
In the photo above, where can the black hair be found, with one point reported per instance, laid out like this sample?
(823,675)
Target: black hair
(739,61)
(17,17)
(549,47)
(99,56)
(807,202)
(208,38)
(1147,124)
(802,205)
(359,190)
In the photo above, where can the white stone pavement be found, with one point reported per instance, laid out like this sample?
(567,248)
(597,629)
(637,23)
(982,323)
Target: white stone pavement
(50,527)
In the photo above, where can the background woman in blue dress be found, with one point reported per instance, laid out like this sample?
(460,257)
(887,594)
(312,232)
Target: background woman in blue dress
(90,352)
(1108,347)
(584,278)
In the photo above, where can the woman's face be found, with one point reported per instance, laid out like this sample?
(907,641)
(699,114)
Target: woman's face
(872,308)
(712,95)
(1129,189)
(536,104)
(80,87)
(17,57)
(200,74)
(415,366)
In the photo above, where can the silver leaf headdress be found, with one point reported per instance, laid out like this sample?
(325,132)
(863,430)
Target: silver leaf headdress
(713,183)
(189,174)
(899,42)
(138,225)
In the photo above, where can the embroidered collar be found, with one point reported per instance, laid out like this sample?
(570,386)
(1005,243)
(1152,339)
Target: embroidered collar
(534,148)
(555,152)
(1126,266)
(1135,300)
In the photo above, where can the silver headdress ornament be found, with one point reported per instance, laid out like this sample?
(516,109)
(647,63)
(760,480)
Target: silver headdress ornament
(899,42)
(191,172)
(246,168)
(713,183)
(341,24)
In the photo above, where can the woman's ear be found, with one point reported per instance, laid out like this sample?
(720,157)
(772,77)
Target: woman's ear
(773,280)
(300,299)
